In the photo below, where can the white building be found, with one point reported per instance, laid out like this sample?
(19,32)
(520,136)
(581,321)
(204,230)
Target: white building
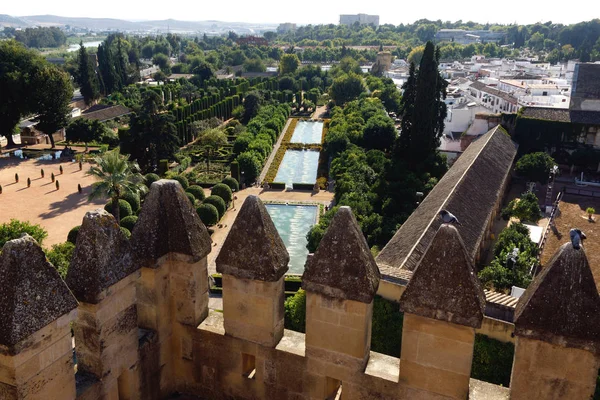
(362,19)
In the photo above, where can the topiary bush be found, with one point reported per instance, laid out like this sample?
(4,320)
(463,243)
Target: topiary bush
(60,256)
(126,232)
(182,180)
(232,183)
(295,312)
(208,214)
(492,360)
(124,208)
(197,191)
(218,202)
(191,197)
(149,179)
(133,199)
(72,236)
(129,222)
(223,191)
(386,333)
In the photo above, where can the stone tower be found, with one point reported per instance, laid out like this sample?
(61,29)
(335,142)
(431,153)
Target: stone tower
(340,280)
(557,325)
(170,244)
(36,308)
(103,277)
(443,304)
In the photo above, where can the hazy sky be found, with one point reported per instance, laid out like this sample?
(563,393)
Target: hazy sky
(315,12)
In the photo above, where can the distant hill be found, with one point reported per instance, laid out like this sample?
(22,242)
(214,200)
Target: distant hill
(103,24)
(7,20)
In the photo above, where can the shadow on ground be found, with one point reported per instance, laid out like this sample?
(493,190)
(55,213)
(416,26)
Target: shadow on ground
(72,200)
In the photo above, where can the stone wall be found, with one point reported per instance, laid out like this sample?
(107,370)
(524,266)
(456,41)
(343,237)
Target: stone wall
(143,329)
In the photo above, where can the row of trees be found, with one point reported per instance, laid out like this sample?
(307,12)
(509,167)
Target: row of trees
(41,37)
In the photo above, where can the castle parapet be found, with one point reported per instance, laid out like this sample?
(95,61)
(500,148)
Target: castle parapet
(36,308)
(557,328)
(443,304)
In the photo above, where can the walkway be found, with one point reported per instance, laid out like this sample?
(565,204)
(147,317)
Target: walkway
(262,175)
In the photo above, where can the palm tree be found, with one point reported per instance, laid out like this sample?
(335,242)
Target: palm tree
(116,177)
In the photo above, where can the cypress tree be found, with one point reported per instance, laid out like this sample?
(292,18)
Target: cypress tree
(86,77)
(407,105)
(429,107)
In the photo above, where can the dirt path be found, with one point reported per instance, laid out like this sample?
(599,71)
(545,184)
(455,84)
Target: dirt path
(57,211)
(320,112)
(265,169)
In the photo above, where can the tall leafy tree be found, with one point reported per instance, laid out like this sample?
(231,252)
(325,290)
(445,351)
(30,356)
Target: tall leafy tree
(110,79)
(52,97)
(86,77)
(18,65)
(211,141)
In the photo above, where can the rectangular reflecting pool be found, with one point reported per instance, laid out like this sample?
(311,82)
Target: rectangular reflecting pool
(307,132)
(298,166)
(293,223)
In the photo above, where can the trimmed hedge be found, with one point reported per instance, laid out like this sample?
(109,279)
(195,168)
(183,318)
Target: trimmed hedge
(129,222)
(197,191)
(277,185)
(126,232)
(182,180)
(218,202)
(303,186)
(191,197)
(150,178)
(72,236)
(208,214)
(133,199)
(492,360)
(232,183)
(124,208)
(223,191)
(295,312)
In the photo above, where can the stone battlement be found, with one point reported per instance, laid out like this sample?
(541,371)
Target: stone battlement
(142,329)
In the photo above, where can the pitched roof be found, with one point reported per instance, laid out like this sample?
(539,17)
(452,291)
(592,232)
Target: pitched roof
(253,249)
(470,190)
(343,266)
(562,115)
(495,92)
(168,223)
(562,304)
(102,257)
(32,294)
(444,285)
(104,113)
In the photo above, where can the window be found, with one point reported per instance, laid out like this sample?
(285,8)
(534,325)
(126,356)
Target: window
(333,389)
(248,366)
(544,93)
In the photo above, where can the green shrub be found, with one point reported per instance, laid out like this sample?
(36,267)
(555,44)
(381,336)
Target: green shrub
(191,197)
(232,183)
(72,236)
(182,180)
(492,360)
(295,312)
(15,228)
(60,256)
(197,191)
(124,208)
(133,199)
(129,222)
(526,208)
(126,232)
(208,214)
(386,333)
(219,204)
(223,191)
(149,179)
